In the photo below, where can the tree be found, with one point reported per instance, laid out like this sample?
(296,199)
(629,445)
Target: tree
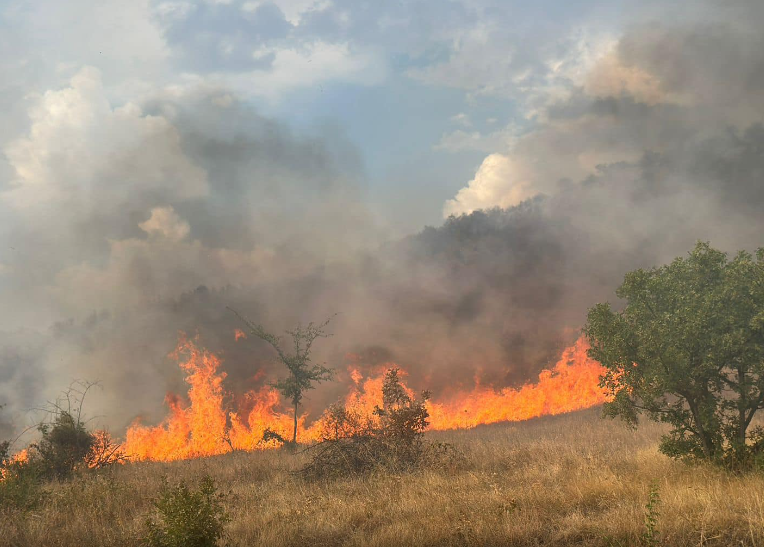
(302,373)
(687,349)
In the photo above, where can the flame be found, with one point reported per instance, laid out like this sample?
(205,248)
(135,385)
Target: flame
(203,427)
(573,384)
(22,456)
(190,430)
(355,375)
(238,334)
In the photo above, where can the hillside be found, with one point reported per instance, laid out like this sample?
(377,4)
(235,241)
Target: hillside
(566,480)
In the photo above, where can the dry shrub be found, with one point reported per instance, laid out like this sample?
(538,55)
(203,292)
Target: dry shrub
(391,440)
(104,451)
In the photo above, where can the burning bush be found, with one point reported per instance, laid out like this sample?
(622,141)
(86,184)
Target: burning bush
(65,446)
(104,451)
(391,439)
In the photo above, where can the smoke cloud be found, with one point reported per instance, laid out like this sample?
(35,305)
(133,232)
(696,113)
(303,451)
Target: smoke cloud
(127,225)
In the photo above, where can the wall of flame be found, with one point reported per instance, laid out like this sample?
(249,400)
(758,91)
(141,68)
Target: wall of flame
(201,424)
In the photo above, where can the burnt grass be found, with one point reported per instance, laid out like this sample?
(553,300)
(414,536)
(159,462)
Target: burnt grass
(574,479)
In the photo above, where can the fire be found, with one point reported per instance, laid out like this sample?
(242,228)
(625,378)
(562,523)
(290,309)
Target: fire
(238,334)
(203,427)
(22,456)
(573,384)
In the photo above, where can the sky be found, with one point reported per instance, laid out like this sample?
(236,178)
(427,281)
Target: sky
(298,149)
(423,90)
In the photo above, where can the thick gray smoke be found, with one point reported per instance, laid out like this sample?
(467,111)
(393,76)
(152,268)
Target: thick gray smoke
(126,226)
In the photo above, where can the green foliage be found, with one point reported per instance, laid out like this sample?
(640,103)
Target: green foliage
(20,486)
(403,419)
(63,448)
(187,518)
(5,449)
(687,349)
(392,440)
(303,373)
(651,535)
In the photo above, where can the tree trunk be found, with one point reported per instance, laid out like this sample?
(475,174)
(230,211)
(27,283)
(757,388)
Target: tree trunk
(742,407)
(294,436)
(705,438)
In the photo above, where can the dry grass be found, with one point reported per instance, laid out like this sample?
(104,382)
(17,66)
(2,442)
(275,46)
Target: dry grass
(567,480)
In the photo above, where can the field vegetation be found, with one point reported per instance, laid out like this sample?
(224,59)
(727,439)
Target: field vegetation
(574,479)
(686,351)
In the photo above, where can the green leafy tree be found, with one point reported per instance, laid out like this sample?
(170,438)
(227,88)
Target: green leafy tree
(687,349)
(303,373)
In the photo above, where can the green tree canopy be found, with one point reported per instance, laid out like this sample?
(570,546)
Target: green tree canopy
(687,349)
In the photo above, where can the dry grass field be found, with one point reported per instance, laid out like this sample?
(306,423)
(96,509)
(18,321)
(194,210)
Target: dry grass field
(568,480)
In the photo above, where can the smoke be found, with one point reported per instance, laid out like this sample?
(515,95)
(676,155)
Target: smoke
(127,225)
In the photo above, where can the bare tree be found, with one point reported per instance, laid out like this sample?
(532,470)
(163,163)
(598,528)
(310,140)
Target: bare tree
(303,374)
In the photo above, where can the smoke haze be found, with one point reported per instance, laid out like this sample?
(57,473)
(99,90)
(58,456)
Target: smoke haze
(123,225)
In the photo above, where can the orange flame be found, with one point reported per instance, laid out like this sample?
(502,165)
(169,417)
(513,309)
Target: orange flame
(22,456)
(202,427)
(238,334)
(573,384)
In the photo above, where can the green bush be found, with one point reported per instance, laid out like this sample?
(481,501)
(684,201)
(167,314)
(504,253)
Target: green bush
(651,535)
(63,448)
(5,450)
(187,518)
(20,486)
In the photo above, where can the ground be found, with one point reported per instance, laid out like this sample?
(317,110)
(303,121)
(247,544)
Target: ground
(575,479)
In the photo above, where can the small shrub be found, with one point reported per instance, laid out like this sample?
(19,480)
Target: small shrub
(651,535)
(392,439)
(20,486)
(339,422)
(187,518)
(104,451)
(5,449)
(63,448)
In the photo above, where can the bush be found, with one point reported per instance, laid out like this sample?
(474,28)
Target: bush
(63,448)
(20,485)
(651,535)
(66,445)
(187,518)
(392,439)
(5,448)
(104,451)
